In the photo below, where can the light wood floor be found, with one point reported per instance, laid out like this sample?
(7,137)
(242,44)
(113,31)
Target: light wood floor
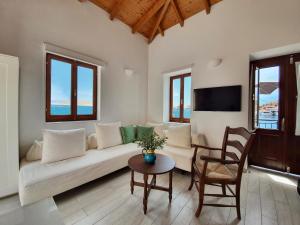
(267,199)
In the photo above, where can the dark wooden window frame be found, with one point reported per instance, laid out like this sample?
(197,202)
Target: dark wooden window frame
(266,63)
(181,119)
(73,116)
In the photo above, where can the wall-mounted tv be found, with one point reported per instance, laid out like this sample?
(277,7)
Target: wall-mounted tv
(218,99)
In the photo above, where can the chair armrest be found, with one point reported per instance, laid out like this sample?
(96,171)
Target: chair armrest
(206,147)
(213,159)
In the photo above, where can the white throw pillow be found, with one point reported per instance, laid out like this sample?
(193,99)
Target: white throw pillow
(63,144)
(179,136)
(108,134)
(35,151)
(92,141)
(159,128)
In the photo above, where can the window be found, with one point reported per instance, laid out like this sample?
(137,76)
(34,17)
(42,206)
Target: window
(71,89)
(180,98)
(266,97)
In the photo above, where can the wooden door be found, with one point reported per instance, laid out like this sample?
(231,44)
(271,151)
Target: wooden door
(276,146)
(9,146)
(293,113)
(268,113)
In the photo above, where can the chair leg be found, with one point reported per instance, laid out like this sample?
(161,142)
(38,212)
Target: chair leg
(201,198)
(237,198)
(192,178)
(223,189)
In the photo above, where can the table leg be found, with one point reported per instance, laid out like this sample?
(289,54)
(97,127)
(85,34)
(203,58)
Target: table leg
(145,192)
(132,181)
(154,177)
(170,185)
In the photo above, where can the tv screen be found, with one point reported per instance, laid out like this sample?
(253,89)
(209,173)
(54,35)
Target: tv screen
(218,99)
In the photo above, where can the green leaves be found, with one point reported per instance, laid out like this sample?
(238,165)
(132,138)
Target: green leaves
(151,142)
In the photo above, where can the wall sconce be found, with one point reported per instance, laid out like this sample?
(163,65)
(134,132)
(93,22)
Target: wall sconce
(215,63)
(128,72)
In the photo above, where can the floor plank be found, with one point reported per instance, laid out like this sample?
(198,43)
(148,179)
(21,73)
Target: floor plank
(266,199)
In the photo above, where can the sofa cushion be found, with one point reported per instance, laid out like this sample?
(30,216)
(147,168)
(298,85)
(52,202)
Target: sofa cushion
(63,144)
(38,181)
(128,134)
(143,131)
(92,141)
(108,134)
(159,128)
(182,157)
(179,136)
(35,152)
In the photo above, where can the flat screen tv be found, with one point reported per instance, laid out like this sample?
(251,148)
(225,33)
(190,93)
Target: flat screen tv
(218,99)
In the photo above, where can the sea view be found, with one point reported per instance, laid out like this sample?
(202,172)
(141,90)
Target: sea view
(66,110)
(186,113)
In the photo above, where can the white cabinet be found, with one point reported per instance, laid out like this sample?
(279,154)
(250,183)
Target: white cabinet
(9,143)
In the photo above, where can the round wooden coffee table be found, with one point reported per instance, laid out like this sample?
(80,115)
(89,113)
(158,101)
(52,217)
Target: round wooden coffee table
(163,164)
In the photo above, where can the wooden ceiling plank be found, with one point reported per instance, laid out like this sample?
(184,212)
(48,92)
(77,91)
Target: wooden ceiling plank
(178,12)
(160,17)
(148,15)
(207,6)
(82,0)
(116,8)
(161,31)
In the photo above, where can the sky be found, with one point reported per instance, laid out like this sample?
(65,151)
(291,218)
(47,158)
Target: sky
(61,84)
(270,74)
(187,92)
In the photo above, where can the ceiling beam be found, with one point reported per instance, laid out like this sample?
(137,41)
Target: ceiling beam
(82,0)
(115,9)
(161,31)
(160,17)
(177,12)
(207,6)
(148,15)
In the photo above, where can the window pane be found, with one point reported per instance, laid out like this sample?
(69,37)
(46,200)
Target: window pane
(60,88)
(85,78)
(267,98)
(187,97)
(176,98)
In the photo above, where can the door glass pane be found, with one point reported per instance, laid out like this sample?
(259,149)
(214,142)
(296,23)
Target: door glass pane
(85,77)
(187,98)
(176,98)
(60,88)
(267,98)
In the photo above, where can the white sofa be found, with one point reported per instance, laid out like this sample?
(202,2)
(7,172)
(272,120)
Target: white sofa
(38,181)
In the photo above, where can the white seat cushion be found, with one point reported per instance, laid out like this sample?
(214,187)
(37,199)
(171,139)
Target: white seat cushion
(38,181)
(182,156)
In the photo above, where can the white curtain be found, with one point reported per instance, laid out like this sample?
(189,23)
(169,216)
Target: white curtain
(298,99)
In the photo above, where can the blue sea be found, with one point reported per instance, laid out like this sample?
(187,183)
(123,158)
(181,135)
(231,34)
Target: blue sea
(186,113)
(66,110)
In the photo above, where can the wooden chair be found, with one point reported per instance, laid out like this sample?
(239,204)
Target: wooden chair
(222,172)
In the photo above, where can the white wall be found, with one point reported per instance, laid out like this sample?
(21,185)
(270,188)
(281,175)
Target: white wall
(83,27)
(232,31)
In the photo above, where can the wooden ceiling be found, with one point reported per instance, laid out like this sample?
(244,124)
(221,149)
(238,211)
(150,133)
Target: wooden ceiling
(153,17)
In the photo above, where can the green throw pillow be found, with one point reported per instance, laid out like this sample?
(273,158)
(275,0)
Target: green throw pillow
(128,134)
(144,131)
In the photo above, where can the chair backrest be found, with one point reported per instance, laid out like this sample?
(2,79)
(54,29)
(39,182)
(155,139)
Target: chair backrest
(243,149)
